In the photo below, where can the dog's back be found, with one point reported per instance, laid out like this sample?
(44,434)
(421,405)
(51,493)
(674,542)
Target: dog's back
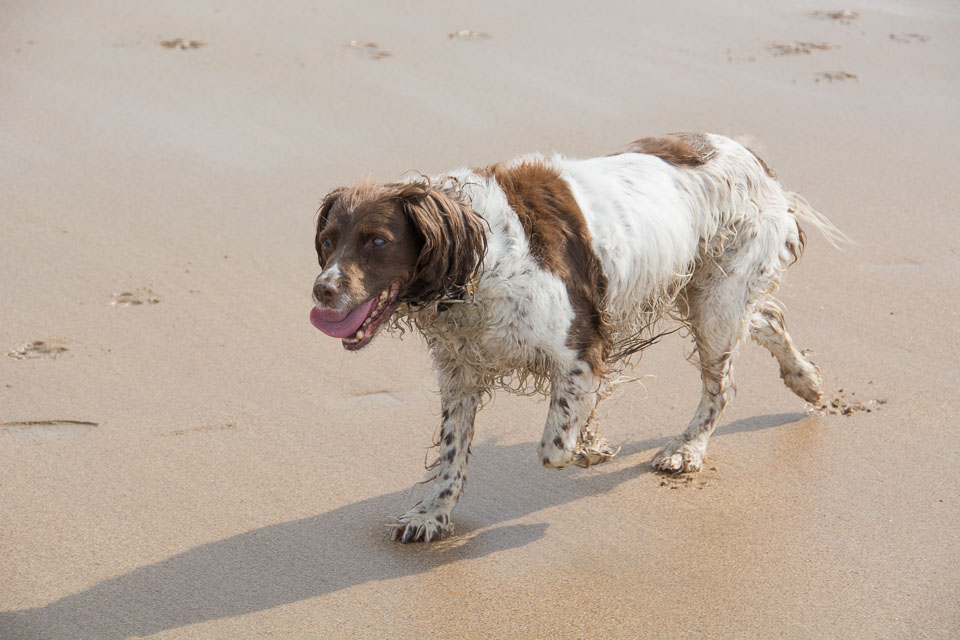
(655,212)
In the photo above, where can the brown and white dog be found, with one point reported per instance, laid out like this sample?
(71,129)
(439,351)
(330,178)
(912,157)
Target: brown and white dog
(546,273)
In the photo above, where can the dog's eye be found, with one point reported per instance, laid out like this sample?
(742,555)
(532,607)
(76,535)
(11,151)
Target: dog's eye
(378,242)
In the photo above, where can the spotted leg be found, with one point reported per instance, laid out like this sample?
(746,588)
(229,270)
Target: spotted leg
(566,438)
(686,452)
(720,305)
(430,519)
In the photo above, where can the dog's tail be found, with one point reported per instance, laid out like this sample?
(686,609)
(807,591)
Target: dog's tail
(810,218)
(802,210)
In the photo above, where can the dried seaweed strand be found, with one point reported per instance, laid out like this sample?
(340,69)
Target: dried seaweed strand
(635,344)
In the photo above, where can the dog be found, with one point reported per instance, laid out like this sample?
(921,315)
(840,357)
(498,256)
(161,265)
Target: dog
(547,274)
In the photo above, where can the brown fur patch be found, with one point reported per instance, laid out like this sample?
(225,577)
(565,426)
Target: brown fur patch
(678,149)
(454,242)
(560,242)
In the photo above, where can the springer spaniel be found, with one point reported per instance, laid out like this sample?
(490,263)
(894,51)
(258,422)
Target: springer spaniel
(547,273)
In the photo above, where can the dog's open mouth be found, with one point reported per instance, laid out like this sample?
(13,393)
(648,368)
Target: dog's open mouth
(357,327)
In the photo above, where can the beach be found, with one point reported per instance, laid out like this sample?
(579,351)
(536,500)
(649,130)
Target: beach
(182,455)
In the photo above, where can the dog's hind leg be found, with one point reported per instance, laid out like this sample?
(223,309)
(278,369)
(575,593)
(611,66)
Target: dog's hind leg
(566,441)
(430,519)
(769,329)
(720,304)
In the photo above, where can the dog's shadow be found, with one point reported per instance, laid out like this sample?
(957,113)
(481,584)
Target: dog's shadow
(305,558)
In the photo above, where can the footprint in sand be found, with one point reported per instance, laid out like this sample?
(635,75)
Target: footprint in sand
(370,49)
(909,37)
(226,426)
(182,44)
(37,349)
(136,297)
(799,48)
(39,431)
(465,34)
(844,16)
(835,76)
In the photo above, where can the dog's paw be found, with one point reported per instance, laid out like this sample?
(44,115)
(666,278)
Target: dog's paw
(678,456)
(419,526)
(804,380)
(596,452)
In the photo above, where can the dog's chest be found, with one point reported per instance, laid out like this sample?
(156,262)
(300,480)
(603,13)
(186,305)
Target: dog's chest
(518,319)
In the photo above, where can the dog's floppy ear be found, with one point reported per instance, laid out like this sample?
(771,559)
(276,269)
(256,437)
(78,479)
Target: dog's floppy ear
(323,214)
(454,242)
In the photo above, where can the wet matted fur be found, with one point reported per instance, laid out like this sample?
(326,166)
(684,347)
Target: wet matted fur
(544,274)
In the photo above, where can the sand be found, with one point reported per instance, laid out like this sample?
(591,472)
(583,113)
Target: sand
(184,456)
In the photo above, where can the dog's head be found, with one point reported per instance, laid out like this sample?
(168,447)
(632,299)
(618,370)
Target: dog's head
(382,244)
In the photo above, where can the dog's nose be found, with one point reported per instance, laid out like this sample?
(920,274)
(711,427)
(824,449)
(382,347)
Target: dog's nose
(325,291)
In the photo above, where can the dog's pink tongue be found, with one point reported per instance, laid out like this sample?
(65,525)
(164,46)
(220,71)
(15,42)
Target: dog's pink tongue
(341,325)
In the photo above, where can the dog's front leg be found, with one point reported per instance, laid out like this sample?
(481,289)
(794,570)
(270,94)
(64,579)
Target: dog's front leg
(567,438)
(430,519)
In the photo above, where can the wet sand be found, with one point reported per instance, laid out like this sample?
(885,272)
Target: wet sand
(183,455)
